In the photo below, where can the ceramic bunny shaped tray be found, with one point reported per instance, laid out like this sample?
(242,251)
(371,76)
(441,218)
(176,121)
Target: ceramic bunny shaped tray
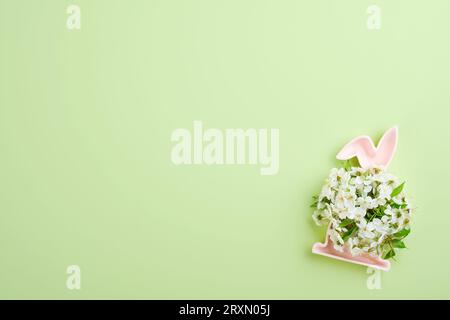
(368,156)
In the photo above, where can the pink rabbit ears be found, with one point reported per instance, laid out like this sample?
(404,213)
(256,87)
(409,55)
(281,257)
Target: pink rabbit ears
(368,155)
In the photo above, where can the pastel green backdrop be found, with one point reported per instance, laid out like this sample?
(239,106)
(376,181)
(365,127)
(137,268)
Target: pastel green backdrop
(85,124)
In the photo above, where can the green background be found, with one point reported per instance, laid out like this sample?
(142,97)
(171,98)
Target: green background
(85,124)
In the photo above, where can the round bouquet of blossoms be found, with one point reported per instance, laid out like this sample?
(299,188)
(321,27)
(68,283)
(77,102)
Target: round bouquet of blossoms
(367,210)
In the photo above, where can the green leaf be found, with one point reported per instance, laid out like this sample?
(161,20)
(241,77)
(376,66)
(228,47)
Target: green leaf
(401,234)
(397,190)
(314,204)
(349,233)
(346,222)
(398,206)
(390,254)
(380,211)
(396,243)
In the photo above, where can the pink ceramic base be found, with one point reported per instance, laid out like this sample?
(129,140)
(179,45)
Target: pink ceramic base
(327,249)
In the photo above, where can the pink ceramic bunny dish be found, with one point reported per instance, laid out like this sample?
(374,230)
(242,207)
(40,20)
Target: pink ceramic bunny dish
(365,207)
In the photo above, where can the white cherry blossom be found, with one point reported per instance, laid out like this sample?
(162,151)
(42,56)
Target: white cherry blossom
(360,206)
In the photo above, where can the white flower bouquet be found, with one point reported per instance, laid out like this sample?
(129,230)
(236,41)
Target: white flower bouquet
(365,207)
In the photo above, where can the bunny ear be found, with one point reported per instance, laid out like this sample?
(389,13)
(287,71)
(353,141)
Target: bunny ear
(362,147)
(368,156)
(386,147)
